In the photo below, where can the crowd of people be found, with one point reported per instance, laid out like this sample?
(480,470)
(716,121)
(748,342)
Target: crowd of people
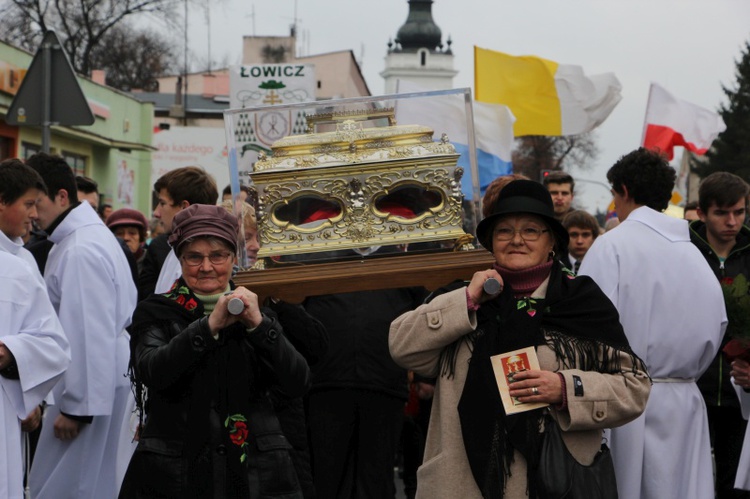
(132,366)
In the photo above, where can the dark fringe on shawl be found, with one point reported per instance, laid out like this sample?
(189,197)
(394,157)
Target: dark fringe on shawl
(136,386)
(571,352)
(449,354)
(500,464)
(140,397)
(589,355)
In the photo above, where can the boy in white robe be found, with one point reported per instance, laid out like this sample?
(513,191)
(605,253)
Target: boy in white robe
(91,287)
(672,309)
(20,189)
(34,351)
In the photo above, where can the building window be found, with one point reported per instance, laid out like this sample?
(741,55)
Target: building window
(6,146)
(422,58)
(76,162)
(28,149)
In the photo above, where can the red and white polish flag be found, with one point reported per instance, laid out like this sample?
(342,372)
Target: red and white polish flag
(674,122)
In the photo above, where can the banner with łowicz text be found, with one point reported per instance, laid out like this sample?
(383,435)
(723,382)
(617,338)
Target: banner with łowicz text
(267,85)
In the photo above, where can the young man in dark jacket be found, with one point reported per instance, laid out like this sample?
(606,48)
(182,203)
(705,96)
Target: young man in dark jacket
(724,240)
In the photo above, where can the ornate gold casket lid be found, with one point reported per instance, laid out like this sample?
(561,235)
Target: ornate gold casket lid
(351,142)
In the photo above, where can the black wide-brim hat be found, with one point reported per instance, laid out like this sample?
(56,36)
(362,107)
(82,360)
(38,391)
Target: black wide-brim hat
(519,197)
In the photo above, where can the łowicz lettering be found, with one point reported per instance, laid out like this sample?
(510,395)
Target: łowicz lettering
(271,71)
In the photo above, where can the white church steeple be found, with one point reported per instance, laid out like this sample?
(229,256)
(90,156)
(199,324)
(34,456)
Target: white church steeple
(418,54)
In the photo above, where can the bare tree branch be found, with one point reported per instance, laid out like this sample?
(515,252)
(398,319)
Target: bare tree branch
(81,24)
(535,153)
(133,59)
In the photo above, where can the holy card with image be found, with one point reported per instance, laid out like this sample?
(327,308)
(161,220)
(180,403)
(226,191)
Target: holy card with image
(505,366)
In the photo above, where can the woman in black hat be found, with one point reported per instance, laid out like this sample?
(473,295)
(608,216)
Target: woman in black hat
(589,377)
(209,355)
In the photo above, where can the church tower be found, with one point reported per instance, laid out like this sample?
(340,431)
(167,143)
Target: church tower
(417,54)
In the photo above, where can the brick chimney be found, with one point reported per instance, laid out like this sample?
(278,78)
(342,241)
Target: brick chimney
(99,76)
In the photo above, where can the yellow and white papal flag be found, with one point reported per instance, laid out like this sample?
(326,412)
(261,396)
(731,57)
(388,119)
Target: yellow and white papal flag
(546,98)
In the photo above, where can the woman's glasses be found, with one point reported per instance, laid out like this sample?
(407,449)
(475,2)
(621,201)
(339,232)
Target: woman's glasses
(216,258)
(527,233)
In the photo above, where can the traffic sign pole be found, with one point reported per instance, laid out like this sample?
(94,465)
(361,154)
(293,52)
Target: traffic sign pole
(47,95)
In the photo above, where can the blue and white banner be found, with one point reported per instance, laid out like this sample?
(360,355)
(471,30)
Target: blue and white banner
(493,130)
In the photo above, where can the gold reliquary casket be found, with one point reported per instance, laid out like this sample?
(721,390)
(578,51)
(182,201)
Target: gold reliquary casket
(357,186)
(357,174)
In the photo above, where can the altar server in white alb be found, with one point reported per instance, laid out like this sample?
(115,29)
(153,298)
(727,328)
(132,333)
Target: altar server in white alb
(740,373)
(91,287)
(34,354)
(672,309)
(34,351)
(20,189)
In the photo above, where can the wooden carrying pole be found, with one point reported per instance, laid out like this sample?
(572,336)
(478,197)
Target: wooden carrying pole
(295,282)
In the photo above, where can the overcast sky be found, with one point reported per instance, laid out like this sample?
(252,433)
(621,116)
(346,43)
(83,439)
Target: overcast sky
(688,46)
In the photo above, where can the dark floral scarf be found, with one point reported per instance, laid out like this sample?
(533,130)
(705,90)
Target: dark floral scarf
(181,294)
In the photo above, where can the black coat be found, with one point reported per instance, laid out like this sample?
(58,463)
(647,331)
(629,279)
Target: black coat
(309,338)
(195,383)
(715,384)
(358,324)
(156,254)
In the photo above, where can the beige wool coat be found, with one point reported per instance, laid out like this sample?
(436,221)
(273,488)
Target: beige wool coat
(416,341)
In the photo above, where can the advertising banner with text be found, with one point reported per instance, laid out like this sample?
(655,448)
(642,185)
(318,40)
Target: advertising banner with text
(191,146)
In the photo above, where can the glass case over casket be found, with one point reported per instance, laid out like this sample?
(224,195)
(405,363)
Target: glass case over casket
(353,173)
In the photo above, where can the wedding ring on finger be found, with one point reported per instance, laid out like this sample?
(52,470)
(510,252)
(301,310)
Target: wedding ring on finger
(534,390)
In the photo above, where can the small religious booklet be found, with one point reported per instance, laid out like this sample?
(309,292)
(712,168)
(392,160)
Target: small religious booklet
(505,366)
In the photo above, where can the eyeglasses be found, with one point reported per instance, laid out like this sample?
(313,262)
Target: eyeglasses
(527,233)
(216,258)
